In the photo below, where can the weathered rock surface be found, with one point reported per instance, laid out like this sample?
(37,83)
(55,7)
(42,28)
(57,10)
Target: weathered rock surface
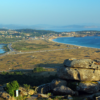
(12,98)
(43,95)
(63,90)
(31,92)
(59,82)
(5,95)
(98,98)
(88,87)
(99,84)
(69,97)
(81,63)
(78,74)
(24,92)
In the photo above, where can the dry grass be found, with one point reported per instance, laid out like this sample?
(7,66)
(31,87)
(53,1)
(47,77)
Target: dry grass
(51,59)
(36,45)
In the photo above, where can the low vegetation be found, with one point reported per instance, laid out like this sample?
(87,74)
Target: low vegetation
(34,45)
(8,40)
(28,46)
(6,49)
(22,78)
(26,86)
(11,87)
(51,59)
(38,69)
(33,32)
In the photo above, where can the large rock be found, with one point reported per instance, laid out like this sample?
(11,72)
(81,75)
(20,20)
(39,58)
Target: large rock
(24,92)
(81,63)
(99,84)
(43,95)
(59,82)
(88,87)
(12,98)
(5,95)
(78,74)
(63,90)
(98,98)
(30,91)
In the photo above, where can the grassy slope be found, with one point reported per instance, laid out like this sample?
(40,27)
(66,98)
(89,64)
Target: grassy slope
(46,59)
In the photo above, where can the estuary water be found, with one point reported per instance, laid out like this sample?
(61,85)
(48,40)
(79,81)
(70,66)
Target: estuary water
(88,41)
(1,48)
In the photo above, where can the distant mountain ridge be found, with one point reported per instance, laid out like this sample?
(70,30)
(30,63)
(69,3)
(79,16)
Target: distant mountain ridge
(44,26)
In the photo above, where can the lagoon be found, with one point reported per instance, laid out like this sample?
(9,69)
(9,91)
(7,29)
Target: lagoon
(1,48)
(88,41)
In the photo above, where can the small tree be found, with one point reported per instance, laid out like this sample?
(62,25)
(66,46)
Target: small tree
(11,87)
(27,87)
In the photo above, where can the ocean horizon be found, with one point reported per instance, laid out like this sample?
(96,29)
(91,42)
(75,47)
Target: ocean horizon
(87,41)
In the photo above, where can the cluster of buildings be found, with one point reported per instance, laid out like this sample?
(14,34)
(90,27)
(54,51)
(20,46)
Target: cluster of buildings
(15,34)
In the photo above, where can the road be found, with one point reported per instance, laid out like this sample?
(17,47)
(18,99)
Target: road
(12,51)
(19,52)
(10,48)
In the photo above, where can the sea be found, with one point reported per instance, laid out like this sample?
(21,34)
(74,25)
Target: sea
(72,29)
(87,41)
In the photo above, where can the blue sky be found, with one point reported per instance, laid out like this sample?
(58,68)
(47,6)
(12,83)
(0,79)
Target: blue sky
(51,12)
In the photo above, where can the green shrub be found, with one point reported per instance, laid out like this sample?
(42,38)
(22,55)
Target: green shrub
(49,94)
(11,87)
(38,69)
(4,73)
(27,87)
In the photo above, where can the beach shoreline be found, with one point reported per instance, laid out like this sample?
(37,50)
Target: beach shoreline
(78,46)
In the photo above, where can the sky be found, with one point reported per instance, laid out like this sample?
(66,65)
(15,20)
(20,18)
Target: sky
(50,12)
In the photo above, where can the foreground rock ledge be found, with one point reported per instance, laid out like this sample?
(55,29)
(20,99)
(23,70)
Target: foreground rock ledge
(79,74)
(81,70)
(82,63)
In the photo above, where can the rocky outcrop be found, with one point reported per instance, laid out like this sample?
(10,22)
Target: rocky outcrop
(24,92)
(81,70)
(81,63)
(83,73)
(78,74)
(5,95)
(43,95)
(98,98)
(75,76)
(57,83)
(31,91)
(88,87)
(63,90)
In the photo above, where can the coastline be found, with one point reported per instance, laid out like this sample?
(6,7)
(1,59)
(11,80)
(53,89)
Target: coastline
(4,48)
(78,46)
